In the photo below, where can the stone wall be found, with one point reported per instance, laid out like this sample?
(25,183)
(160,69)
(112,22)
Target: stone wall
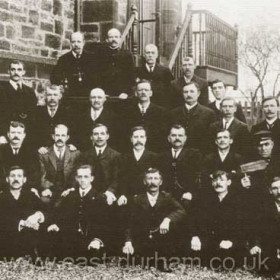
(36,32)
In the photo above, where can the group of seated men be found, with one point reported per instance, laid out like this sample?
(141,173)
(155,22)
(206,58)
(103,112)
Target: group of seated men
(186,181)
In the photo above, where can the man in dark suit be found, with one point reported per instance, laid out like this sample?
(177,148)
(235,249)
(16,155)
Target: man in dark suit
(219,91)
(105,161)
(154,216)
(180,167)
(159,76)
(21,216)
(238,130)
(145,113)
(17,101)
(135,163)
(48,116)
(188,68)
(18,152)
(57,165)
(116,67)
(97,112)
(270,106)
(194,117)
(223,158)
(81,220)
(217,229)
(77,70)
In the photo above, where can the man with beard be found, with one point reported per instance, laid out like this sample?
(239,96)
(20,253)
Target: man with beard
(270,106)
(46,117)
(17,101)
(219,91)
(154,216)
(97,112)
(238,130)
(188,68)
(135,163)
(216,223)
(180,167)
(116,67)
(159,76)
(57,166)
(145,113)
(77,69)
(18,152)
(223,158)
(194,117)
(20,216)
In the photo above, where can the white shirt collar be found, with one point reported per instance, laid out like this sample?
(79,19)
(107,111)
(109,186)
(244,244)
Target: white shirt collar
(223,155)
(49,110)
(152,199)
(85,191)
(149,67)
(57,151)
(95,113)
(187,80)
(178,151)
(97,149)
(189,107)
(228,122)
(138,154)
(218,104)
(222,196)
(145,107)
(15,84)
(270,122)
(75,55)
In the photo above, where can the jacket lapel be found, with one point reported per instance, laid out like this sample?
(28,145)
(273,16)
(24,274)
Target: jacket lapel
(52,157)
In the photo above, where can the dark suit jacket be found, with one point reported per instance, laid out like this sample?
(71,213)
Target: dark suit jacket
(196,122)
(161,79)
(49,169)
(13,242)
(133,171)
(84,124)
(116,68)
(154,120)
(43,125)
(16,105)
(177,89)
(68,67)
(239,133)
(144,217)
(107,168)
(238,114)
(180,175)
(27,158)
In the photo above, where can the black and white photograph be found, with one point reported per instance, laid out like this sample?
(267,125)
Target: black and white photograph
(139,139)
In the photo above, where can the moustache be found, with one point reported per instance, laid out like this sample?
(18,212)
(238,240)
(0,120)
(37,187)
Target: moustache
(15,182)
(59,141)
(139,143)
(15,138)
(177,141)
(152,185)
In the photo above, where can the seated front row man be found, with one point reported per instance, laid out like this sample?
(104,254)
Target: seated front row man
(80,220)
(154,216)
(21,216)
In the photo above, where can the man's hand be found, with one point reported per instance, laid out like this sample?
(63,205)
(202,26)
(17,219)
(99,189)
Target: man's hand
(66,192)
(255,250)
(96,244)
(3,140)
(110,197)
(47,193)
(32,225)
(72,148)
(43,150)
(128,248)
(246,182)
(123,96)
(195,243)
(187,196)
(53,227)
(225,244)
(164,226)
(122,200)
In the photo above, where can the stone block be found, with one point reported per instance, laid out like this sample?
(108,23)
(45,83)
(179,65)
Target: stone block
(19,18)
(57,7)
(52,41)
(5,45)
(34,17)
(4,4)
(45,53)
(66,45)
(27,32)
(46,5)
(58,27)
(46,26)
(4,16)
(2,29)
(16,8)
(94,11)
(10,32)
(54,54)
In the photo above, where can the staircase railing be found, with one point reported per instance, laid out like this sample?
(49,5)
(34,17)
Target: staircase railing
(183,46)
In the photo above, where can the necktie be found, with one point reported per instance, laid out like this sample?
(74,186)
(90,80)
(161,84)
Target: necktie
(151,69)
(99,153)
(83,194)
(142,110)
(52,111)
(15,151)
(269,126)
(175,154)
(226,125)
(60,155)
(78,56)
